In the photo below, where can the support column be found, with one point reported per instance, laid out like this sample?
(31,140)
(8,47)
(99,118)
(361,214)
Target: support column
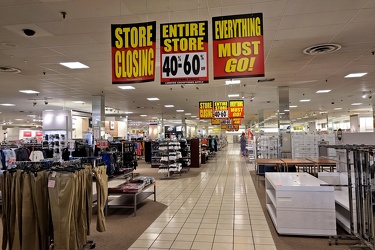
(284,123)
(98,115)
(261,119)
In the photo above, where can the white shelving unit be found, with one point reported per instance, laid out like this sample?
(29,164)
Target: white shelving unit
(299,205)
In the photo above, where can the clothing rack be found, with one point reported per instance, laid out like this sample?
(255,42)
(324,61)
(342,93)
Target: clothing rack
(360,161)
(47,180)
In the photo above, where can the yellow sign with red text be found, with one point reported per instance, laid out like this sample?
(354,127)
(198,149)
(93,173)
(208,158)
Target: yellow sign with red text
(206,110)
(236,109)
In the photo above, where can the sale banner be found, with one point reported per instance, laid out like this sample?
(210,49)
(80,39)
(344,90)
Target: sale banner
(236,121)
(184,53)
(227,122)
(221,110)
(215,121)
(206,110)
(236,109)
(238,47)
(133,52)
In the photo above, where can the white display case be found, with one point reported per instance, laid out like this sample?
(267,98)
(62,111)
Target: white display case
(299,205)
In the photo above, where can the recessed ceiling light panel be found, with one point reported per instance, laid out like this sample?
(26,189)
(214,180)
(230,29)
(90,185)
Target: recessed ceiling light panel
(8,104)
(74,65)
(169,106)
(29,91)
(356,104)
(355,75)
(232,82)
(323,91)
(126,87)
(234,95)
(153,99)
(304,100)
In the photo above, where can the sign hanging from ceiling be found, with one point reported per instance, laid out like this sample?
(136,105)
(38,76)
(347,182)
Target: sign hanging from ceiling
(236,121)
(221,110)
(205,110)
(184,53)
(236,109)
(133,52)
(238,47)
(215,121)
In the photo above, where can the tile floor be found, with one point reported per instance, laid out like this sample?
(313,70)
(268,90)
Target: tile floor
(219,210)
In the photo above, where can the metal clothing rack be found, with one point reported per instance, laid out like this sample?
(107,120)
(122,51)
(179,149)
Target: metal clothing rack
(360,160)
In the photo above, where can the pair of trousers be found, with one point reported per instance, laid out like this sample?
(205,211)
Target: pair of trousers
(102,195)
(62,190)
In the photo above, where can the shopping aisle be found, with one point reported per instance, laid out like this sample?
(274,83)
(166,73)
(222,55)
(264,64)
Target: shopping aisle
(219,209)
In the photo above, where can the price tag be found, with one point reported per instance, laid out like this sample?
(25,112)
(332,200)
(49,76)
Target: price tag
(221,114)
(51,183)
(184,65)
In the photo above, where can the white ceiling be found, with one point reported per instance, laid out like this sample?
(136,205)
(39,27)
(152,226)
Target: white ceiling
(84,35)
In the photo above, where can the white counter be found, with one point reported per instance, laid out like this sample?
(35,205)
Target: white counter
(299,205)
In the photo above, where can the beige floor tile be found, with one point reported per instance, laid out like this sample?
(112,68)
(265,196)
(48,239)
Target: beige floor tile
(223,238)
(222,246)
(204,237)
(224,226)
(175,224)
(264,247)
(208,225)
(263,241)
(182,245)
(142,243)
(188,231)
(190,225)
(243,247)
(199,245)
(242,232)
(224,232)
(209,231)
(262,233)
(190,220)
(148,236)
(154,230)
(243,240)
(260,227)
(185,237)
(171,230)
(165,236)
(162,244)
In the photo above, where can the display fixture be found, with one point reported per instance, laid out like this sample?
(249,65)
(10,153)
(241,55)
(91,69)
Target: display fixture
(355,207)
(268,147)
(195,148)
(132,192)
(307,145)
(155,154)
(169,162)
(300,204)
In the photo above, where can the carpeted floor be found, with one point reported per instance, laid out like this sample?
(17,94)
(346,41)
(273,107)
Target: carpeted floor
(284,242)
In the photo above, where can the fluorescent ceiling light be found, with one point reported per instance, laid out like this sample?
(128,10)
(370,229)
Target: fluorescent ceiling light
(180,110)
(293,106)
(126,87)
(74,65)
(143,115)
(355,75)
(154,118)
(153,99)
(304,100)
(29,91)
(232,82)
(18,119)
(129,112)
(169,106)
(356,103)
(282,113)
(323,91)
(187,113)
(337,108)
(193,116)
(286,110)
(8,104)
(234,95)
(79,102)
(299,118)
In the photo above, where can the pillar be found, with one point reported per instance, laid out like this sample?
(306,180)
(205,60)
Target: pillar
(98,115)
(284,123)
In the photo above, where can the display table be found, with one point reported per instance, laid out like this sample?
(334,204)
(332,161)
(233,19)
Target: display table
(321,163)
(299,205)
(130,199)
(297,162)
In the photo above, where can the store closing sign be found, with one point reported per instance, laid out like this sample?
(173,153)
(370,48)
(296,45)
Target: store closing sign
(184,53)
(238,48)
(236,109)
(205,110)
(215,121)
(133,52)
(221,110)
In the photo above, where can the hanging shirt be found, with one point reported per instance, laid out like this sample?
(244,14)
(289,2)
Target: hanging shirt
(36,156)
